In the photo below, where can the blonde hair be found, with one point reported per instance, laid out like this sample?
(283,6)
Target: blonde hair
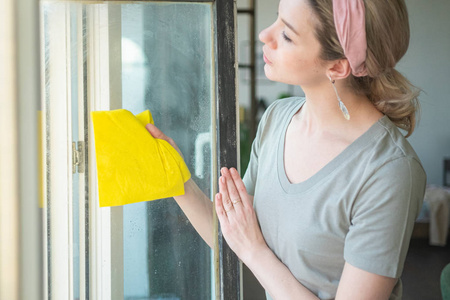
(387,33)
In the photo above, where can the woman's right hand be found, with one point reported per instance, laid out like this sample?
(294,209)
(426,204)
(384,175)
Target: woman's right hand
(158,134)
(194,203)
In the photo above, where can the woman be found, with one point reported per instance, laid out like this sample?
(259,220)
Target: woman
(328,203)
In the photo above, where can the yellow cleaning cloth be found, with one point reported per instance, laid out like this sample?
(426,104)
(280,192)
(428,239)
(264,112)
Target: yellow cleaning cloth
(132,166)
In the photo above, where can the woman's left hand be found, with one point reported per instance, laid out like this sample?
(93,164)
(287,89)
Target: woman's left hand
(240,228)
(237,217)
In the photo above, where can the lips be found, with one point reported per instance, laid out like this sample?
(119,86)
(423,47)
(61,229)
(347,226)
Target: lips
(266,60)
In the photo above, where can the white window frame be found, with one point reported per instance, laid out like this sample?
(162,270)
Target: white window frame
(58,169)
(103,284)
(103,95)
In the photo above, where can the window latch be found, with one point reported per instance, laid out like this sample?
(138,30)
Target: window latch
(77,157)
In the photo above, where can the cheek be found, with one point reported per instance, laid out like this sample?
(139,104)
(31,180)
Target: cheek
(305,71)
(306,62)
(295,67)
(301,66)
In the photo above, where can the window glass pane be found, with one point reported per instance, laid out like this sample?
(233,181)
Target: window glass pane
(166,68)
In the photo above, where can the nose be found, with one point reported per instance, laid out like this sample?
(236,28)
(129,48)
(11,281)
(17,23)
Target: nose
(266,36)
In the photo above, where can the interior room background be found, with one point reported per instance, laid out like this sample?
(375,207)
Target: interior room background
(426,65)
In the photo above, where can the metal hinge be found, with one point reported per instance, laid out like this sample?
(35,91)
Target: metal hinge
(78,157)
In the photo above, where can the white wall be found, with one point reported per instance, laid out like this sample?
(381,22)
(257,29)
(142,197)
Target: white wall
(426,65)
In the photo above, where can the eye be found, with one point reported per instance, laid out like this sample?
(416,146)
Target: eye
(285,37)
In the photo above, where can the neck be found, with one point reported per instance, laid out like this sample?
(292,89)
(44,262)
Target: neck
(321,112)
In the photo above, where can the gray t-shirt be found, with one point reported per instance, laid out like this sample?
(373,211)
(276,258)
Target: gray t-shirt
(360,208)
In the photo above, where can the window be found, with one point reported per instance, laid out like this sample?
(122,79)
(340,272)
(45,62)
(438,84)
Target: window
(167,57)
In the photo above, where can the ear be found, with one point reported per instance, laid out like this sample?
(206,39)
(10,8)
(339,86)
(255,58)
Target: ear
(339,69)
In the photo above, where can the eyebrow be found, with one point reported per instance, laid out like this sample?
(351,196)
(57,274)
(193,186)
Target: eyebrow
(290,26)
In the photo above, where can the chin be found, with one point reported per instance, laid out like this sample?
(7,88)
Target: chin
(270,75)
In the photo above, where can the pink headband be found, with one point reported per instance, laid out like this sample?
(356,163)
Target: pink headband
(350,23)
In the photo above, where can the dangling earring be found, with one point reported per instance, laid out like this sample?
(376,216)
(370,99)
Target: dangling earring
(341,104)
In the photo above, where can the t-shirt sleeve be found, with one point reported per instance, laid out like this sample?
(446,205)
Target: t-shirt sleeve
(251,173)
(383,215)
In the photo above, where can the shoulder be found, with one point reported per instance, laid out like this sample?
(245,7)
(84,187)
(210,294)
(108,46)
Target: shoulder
(390,183)
(285,105)
(392,150)
(281,109)
(392,169)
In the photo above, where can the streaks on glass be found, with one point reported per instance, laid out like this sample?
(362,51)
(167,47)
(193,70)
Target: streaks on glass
(167,68)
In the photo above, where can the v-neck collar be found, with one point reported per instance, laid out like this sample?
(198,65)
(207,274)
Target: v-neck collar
(291,188)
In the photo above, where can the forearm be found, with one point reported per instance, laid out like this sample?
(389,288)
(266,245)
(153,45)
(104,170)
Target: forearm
(199,210)
(275,277)
(194,203)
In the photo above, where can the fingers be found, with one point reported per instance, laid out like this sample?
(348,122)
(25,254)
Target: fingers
(241,189)
(155,132)
(230,187)
(158,134)
(225,198)
(235,188)
(221,213)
